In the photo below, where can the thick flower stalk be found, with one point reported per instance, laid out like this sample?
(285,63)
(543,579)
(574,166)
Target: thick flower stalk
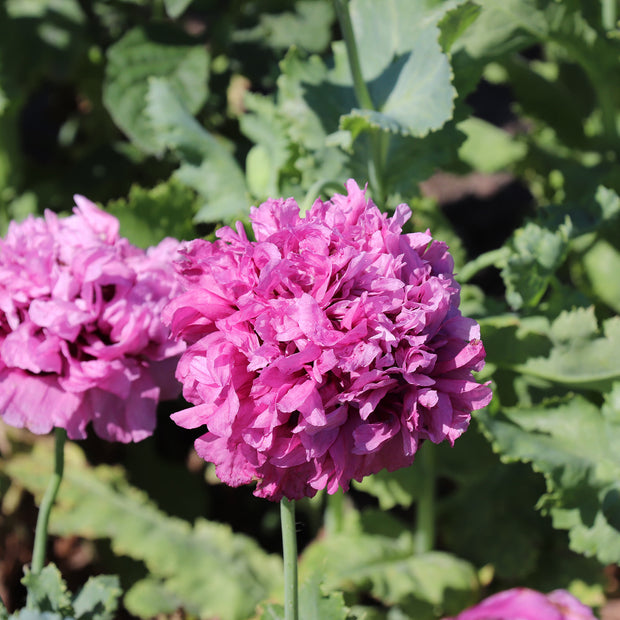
(526,604)
(326,350)
(81,339)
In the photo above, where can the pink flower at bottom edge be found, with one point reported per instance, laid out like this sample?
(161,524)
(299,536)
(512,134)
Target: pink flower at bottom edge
(527,604)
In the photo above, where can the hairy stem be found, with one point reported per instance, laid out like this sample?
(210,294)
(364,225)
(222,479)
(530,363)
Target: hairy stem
(289,553)
(40,537)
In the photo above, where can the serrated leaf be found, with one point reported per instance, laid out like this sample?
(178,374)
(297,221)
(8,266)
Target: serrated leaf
(408,75)
(537,253)
(581,364)
(575,325)
(536,348)
(393,26)
(425,585)
(211,570)
(206,164)
(47,590)
(412,81)
(98,599)
(146,216)
(155,51)
(576,446)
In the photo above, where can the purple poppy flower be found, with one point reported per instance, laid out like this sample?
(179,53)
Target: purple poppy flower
(326,350)
(81,339)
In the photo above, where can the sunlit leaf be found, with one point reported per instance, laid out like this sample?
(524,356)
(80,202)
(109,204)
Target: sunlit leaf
(157,51)
(148,215)
(207,165)
(576,446)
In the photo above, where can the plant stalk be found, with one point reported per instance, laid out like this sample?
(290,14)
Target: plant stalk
(40,537)
(289,553)
(362,94)
(424,536)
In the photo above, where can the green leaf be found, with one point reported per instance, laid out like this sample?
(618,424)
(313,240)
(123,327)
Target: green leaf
(580,363)
(408,75)
(149,597)
(315,605)
(488,148)
(537,252)
(455,22)
(576,446)
(175,8)
(504,26)
(57,43)
(537,349)
(602,265)
(307,27)
(47,591)
(577,325)
(425,586)
(601,259)
(149,215)
(268,158)
(207,165)
(211,570)
(155,51)
(98,599)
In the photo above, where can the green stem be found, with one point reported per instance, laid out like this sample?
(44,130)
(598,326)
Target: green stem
(424,537)
(359,85)
(362,94)
(40,537)
(289,553)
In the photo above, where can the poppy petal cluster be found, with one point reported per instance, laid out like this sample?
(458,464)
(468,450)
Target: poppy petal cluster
(327,349)
(526,604)
(81,338)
